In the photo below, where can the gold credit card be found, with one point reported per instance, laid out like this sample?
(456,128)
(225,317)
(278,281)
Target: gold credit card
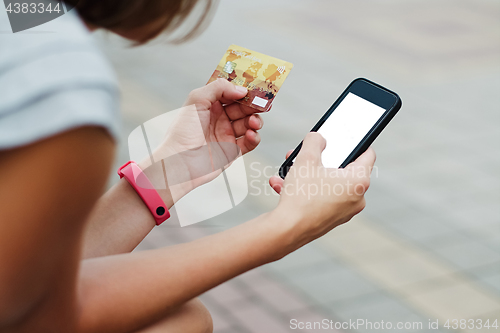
(261,74)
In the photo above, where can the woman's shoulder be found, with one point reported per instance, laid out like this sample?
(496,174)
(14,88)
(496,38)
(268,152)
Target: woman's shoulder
(54,77)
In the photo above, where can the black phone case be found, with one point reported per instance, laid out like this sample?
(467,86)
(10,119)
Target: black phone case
(366,141)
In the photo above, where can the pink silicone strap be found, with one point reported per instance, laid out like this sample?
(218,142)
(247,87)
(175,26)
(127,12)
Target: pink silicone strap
(131,172)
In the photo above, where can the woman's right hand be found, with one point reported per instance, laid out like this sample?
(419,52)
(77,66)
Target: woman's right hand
(315,199)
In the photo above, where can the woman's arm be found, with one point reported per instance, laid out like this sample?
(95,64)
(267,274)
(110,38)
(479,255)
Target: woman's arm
(43,283)
(128,291)
(47,190)
(131,290)
(120,220)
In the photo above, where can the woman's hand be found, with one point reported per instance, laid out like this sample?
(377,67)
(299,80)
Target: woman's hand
(227,121)
(316,199)
(211,131)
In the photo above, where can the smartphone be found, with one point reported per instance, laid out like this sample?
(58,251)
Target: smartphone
(352,123)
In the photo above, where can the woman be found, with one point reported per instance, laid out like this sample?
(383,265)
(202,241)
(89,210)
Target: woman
(65,247)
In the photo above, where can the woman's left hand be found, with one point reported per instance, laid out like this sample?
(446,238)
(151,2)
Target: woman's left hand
(227,121)
(211,131)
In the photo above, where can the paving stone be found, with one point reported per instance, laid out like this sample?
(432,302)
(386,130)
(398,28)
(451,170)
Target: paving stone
(457,299)
(453,238)
(469,254)
(283,299)
(326,285)
(419,228)
(493,242)
(379,307)
(493,281)
(255,319)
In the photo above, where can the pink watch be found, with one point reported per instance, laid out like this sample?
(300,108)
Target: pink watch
(133,174)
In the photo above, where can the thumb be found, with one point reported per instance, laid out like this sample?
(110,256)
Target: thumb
(312,147)
(219,90)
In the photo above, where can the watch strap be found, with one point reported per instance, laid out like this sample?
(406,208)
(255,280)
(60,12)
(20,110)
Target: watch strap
(142,185)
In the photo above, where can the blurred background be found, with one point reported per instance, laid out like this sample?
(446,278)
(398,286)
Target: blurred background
(427,246)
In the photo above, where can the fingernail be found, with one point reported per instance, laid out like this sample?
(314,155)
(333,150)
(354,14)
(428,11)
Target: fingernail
(241,89)
(258,119)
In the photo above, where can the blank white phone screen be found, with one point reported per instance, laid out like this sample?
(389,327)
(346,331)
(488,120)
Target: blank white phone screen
(346,127)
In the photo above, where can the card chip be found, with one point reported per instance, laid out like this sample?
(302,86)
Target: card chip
(262,102)
(229,67)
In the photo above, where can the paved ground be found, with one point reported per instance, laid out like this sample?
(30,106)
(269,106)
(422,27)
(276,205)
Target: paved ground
(427,245)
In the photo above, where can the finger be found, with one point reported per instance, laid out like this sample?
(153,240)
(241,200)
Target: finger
(288,154)
(218,90)
(276,183)
(237,111)
(253,122)
(312,147)
(248,142)
(366,160)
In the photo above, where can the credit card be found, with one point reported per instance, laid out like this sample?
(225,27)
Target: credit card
(261,74)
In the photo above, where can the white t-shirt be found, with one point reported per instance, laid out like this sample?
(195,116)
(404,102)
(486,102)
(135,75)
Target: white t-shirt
(53,78)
